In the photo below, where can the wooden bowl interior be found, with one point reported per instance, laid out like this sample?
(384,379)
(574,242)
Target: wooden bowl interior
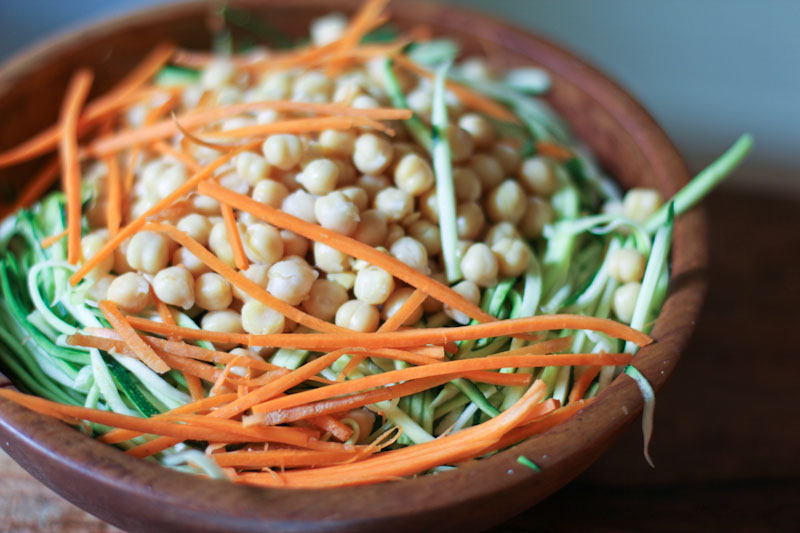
(140,496)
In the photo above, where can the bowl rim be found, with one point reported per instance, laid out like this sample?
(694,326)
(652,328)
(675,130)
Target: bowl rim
(620,403)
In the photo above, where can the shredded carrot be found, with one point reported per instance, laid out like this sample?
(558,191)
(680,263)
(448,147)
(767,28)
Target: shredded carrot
(551,149)
(49,241)
(37,186)
(581,384)
(77,91)
(123,94)
(137,224)
(298,125)
(131,338)
(190,137)
(339,430)
(224,375)
(284,458)
(114,205)
(193,383)
(348,246)
(451,368)
(467,96)
(234,238)
(538,426)
(241,281)
(364,19)
(165,149)
(197,118)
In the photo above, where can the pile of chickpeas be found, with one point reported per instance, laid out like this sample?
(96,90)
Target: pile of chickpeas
(374,188)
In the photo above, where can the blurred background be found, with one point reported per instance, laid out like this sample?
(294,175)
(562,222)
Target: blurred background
(707,70)
(725,445)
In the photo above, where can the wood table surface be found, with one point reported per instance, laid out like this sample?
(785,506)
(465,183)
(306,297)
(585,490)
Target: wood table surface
(727,433)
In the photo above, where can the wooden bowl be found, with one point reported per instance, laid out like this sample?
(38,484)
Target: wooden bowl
(142,496)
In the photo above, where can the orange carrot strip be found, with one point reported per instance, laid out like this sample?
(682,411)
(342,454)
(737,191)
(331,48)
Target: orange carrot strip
(242,282)
(496,378)
(77,91)
(165,149)
(538,426)
(49,241)
(360,24)
(299,125)
(193,383)
(339,430)
(581,384)
(235,238)
(345,403)
(448,449)
(194,119)
(137,224)
(121,435)
(391,324)
(220,382)
(348,246)
(114,206)
(131,338)
(467,96)
(406,338)
(551,149)
(96,110)
(188,136)
(284,458)
(151,426)
(451,368)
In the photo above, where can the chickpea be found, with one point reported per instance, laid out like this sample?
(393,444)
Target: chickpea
(624,301)
(373,184)
(266,116)
(277,85)
(613,207)
(258,319)
(395,204)
(258,274)
(420,100)
(500,231)
(466,184)
(325,298)
(428,234)
(300,204)
(538,176)
(294,244)
(196,226)
(186,259)
(476,68)
(508,157)
(626,265)
(148,252)
(327,29)
(90,245)
(223,321)
(364,101)
(469,220)
(373,285)
(640,204)
(396,301)
(372,154)
(357,195)
(394,232)
(205,205)
(212,292)
(428,206)
(130,292)
(336,212)
(312,86)
(252,167)
(283,151)
(411,252)
(471,293)
(290,280)
(270,192)
(346,280)
(402,149)
(358,316)
(337,143)
(479,127)
(488,170)
(461,144)
(172,177)
(506,202)
(480,265)
(538,213)
(175,286)
(220,244)
(319,176)
(263,244)
(513,256)
(330,259)
(235,182)
(218,73)
(413,174)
